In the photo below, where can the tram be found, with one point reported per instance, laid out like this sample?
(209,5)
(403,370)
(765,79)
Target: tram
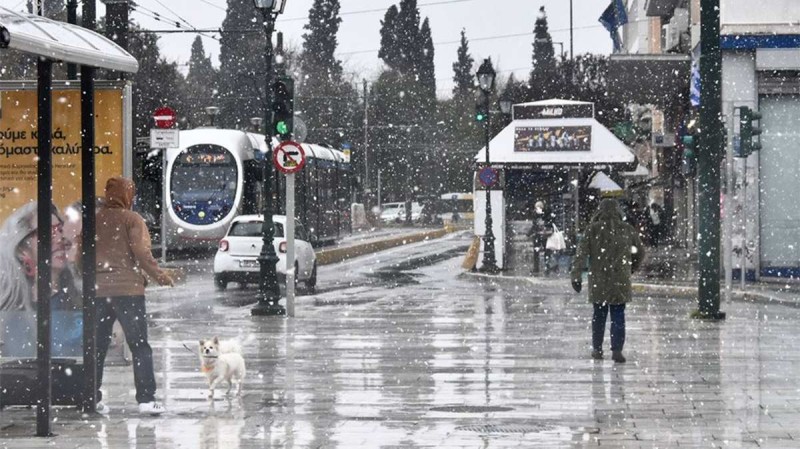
(216,175)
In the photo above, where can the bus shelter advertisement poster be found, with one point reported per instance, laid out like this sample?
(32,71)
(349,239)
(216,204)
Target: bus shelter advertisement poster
(18,216)
(552,138)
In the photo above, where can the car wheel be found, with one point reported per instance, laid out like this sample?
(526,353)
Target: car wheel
(311,282)
(220,282)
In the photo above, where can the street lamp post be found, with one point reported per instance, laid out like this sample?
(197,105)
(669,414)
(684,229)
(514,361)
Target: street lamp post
(269,293)
(486,75)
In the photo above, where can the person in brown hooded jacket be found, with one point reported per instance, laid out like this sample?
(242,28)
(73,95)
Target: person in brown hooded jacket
(123,258)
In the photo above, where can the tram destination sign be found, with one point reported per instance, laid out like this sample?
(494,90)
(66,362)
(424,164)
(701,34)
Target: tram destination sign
(552,138)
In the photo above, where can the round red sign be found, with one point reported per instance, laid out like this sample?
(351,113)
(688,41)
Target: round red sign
(289,157)
(164,117)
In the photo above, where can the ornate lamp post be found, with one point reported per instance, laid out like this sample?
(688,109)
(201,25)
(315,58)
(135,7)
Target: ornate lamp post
(505,104)
(486,76)
(268,291)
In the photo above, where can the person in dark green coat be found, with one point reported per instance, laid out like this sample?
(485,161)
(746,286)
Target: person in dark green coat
(614,250)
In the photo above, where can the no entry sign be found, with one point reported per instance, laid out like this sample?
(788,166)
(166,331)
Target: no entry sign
(289,157)
(164,117)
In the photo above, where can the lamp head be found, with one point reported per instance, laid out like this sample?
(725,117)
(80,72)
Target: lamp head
(275,6)
(486,75)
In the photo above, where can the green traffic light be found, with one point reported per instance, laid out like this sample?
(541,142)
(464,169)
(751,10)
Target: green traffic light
(480,117)
(281,127)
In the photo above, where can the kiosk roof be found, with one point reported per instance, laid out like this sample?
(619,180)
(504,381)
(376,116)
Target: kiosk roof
(605,149)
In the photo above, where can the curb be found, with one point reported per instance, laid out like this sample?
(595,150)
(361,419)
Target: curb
(674,291)
(329,256)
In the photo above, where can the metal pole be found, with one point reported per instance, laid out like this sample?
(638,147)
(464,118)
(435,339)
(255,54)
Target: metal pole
(571,54)
(44,247)
(709,158)
(744,223)
(268,292)
(577,201)
(489,260)
(728,233)
(366,136)
(290,250)
(379,188)
(72,17)
(164,205)
(88,223)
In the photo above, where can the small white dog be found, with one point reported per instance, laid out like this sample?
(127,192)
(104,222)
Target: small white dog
(222,360)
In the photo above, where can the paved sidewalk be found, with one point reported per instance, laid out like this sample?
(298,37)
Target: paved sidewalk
(453,360)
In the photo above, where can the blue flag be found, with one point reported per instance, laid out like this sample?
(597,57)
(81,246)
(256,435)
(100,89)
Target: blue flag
(612,18)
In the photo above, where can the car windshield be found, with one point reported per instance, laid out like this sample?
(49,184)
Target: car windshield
(251,229)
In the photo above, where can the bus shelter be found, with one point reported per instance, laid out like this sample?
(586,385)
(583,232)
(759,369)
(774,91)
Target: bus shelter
(550,152)
(27,290)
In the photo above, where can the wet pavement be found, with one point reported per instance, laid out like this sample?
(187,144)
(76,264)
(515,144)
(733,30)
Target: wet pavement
(401,350)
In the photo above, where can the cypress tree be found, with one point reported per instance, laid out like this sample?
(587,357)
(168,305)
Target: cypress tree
(543,79)
(242,66)
(201,84)
(462,69)
(321,93)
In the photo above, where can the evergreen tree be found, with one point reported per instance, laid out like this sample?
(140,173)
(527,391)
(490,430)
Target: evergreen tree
(462,69)
(201,85)
(322,94)
(401,40)
(407,50)
(544,76)
(242,66)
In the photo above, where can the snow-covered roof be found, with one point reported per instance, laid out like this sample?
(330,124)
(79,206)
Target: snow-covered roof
(605,148)
(552,102)
(641,170)
(603,183)
(235,139)
(62,41)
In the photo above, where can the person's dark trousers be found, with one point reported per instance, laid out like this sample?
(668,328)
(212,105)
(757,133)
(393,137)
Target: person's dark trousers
(130,312)
(617,326)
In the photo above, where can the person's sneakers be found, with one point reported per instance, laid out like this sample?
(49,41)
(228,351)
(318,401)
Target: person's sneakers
(151,408)
(102,408)
(597,355)
(617,356)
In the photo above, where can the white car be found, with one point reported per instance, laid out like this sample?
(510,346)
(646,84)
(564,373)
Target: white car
(396,212)
(237,255)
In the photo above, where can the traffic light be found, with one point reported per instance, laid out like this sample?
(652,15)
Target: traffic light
(283,107)
(748,132)
(480,112)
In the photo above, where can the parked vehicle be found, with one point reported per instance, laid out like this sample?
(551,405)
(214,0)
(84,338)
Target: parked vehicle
(396,212)
(237,256)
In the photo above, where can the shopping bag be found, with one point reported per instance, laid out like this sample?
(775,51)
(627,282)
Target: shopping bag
(556,241)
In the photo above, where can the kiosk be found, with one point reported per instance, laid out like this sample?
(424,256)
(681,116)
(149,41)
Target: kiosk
(550,152)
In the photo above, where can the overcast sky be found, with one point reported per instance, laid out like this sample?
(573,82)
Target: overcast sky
(359,37)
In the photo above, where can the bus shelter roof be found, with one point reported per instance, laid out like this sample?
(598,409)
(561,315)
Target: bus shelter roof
(605,150)
(62,41)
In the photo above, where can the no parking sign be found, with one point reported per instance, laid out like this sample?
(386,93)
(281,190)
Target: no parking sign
(289,157)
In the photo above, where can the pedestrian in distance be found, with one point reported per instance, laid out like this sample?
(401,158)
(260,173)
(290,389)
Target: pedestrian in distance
(541,229)
(123,257)
(613,250)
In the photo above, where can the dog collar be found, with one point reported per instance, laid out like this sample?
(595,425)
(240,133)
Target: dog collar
(206,369)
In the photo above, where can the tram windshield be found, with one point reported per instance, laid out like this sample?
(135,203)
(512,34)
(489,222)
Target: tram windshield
(203,184)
